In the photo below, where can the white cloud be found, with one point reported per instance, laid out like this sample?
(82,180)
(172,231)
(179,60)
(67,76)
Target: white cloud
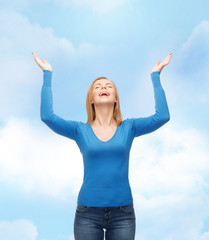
(193,56)
(19,72)
(205,236)
(169,179)
(178,156)
(98,6)
(198,40)
(191,66)
(38,160)
(21,229)
(20,37)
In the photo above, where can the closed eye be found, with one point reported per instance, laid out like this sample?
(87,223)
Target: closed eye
(97,87)
(101,84)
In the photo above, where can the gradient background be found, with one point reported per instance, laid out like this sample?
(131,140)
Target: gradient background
(41,172)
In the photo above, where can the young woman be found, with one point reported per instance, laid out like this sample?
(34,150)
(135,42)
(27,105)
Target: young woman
(105,198)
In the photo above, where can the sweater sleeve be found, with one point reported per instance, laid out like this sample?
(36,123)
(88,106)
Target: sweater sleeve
(67,128)
(149,124)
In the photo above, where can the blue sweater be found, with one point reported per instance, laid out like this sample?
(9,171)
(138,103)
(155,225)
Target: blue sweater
(106,164)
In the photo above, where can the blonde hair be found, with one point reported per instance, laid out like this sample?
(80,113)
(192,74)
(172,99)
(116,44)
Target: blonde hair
(90,106)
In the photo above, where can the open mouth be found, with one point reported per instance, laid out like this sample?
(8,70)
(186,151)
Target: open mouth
(104,94)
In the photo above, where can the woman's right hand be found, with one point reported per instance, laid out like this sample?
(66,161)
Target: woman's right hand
(43,64)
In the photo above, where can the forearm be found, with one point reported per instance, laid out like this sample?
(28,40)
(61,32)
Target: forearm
(149,124)
(161,108)
(46,97)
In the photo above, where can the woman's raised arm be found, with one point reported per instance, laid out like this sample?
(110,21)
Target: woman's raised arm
(67,128)
(149,124)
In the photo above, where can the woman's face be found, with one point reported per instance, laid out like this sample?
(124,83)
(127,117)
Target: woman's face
(103,92)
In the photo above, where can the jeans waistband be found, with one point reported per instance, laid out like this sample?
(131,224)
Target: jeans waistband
(109,207)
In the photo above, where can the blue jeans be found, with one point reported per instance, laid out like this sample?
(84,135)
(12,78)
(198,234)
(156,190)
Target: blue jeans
(119,223)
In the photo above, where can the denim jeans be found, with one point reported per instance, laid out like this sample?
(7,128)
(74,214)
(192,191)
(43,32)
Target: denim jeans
(119,223)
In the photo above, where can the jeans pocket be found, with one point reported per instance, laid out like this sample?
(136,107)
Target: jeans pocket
(129,209)
(80,208)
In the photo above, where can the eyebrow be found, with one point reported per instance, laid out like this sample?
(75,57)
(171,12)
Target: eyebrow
(100,84)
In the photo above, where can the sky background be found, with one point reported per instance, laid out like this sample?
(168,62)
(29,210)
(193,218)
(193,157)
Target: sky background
(41,172)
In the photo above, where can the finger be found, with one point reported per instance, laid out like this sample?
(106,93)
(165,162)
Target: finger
(169,56)
(167,59)
(34,54)
(158,62)
(37,58)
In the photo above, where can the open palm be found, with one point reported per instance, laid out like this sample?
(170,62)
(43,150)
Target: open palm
(159,66)
(43,64)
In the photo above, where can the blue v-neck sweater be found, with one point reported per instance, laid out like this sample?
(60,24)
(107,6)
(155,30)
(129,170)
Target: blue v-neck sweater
(106,164)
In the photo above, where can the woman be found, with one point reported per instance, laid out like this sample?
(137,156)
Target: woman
(105,198)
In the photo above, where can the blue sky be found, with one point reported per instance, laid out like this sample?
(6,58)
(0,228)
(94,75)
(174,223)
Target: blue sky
(41,172)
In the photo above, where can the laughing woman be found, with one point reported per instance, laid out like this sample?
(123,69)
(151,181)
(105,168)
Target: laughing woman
(105,199)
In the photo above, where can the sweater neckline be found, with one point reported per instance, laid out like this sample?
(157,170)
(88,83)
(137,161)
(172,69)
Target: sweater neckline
(95,136)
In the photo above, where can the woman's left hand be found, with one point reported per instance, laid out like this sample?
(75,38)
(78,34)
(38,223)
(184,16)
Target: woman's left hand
(159,66)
